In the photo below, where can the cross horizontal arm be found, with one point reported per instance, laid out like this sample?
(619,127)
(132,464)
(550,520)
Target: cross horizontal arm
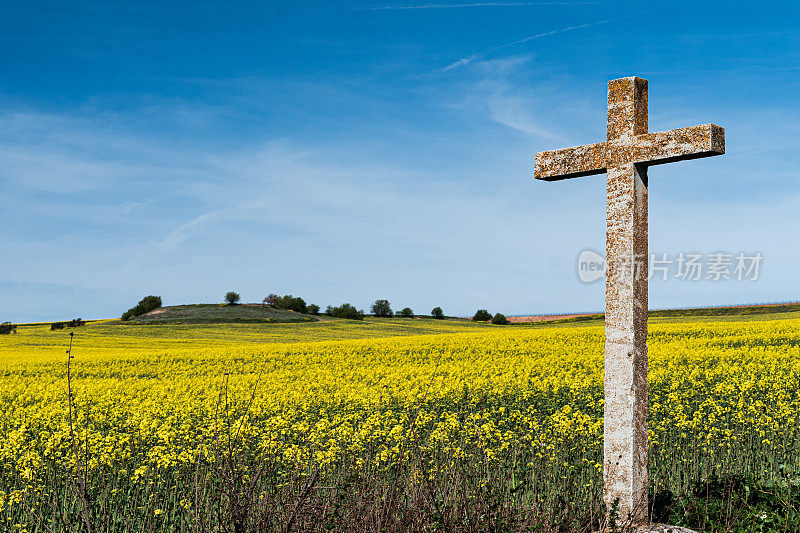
(673,145)
(572,162)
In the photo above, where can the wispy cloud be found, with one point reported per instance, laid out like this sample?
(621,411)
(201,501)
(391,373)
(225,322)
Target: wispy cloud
(511,111)
(181,233)
(463,61)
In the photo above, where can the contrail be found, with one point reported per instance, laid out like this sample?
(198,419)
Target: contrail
(467,60)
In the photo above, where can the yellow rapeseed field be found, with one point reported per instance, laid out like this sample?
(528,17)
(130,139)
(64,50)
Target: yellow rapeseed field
(725,396)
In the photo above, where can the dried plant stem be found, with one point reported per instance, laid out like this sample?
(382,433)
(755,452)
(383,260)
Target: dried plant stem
(81,489)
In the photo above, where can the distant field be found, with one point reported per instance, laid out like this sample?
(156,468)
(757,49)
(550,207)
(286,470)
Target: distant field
(113,337)
(469,417)
(784,310)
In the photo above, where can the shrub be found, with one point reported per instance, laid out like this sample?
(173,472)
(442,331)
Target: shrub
(345,311)
(313,309)
(57,325)
(406,312)
(499,319)
(437,312)
(292,303)
(272,299)
(382,308)
(7,327)
(75,323)
(145,305)
(482,315)
(232,298)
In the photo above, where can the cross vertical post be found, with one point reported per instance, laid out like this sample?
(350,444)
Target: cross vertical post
(626,408)
(625,156)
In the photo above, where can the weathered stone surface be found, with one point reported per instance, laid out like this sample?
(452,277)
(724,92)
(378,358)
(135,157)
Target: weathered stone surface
(571,162)
(625,155)
(625,431)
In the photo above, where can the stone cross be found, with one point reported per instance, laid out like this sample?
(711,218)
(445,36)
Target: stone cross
(624,157)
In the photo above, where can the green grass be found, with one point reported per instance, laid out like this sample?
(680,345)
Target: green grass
(219,314)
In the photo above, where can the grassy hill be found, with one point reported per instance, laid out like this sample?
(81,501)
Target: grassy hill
(219,314)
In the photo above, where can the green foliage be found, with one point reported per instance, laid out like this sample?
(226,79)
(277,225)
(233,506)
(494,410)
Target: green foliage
(437,312)
(7,327)
(292,303)
(232,298)
(313,309)
(382,308)
(74,323)
(735,502)
(272,299)
(145,305)
(499,319)
(406,312)
(482,315)
(345,311)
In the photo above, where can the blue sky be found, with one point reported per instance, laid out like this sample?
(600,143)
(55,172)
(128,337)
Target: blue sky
(349,151)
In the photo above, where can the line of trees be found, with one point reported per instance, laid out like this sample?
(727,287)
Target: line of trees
(382,308)
(345,311)
(482,315)
(74,323)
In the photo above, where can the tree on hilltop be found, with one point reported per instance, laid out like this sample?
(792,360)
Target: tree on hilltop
(437,312)
(382,308)
(406,312)
(232,297)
